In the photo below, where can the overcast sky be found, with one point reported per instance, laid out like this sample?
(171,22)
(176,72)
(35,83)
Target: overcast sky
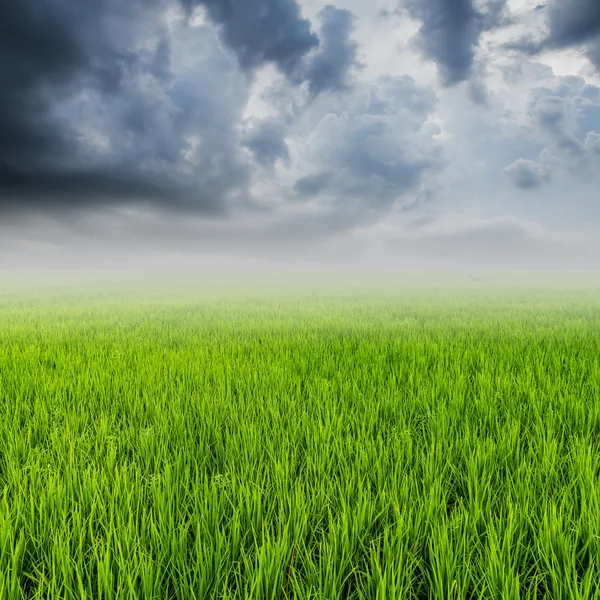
(365,131)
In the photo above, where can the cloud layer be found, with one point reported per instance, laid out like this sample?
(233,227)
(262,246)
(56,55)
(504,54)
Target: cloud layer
(277,123)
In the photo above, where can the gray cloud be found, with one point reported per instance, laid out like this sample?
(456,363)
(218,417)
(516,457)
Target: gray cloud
(568,111)
(503,240)
(273,31)
(592,144)
(593,52)
(266,140)
(400,94)
(456,240)
(312,185)
(330,68)
(367,157)
(451,30)
(525,174)
(567,116)
(550,111)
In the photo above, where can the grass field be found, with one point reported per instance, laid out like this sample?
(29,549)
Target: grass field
(402,440)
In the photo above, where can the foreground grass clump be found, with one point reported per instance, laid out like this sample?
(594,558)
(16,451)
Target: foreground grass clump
(437,443)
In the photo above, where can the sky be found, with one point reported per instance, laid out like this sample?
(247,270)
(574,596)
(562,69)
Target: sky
(365,132)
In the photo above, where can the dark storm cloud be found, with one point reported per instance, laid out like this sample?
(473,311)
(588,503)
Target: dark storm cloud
(62,188)
(571,23)
(337,55)
(273,31)
(262,31)
(450,32)
(44,46)
(90,112)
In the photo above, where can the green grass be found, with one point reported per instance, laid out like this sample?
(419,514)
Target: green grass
(434,441)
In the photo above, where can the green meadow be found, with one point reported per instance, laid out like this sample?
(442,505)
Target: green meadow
(386,438)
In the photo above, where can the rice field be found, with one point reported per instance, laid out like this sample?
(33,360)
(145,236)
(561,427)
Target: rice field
(391,440)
